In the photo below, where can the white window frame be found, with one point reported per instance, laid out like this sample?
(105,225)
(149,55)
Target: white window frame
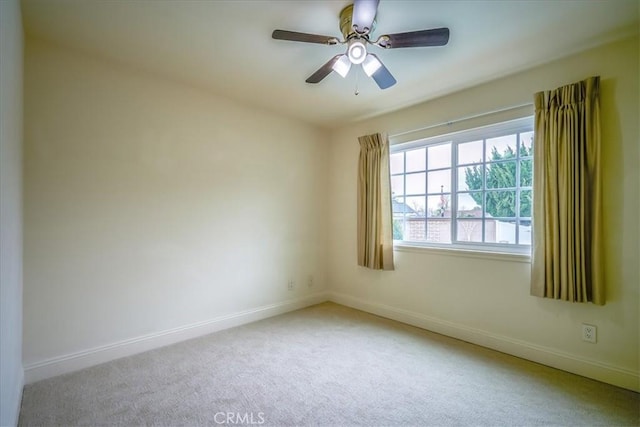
(521,125)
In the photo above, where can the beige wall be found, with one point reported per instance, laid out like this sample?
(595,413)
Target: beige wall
(487,300)
(150,205)
(11,372)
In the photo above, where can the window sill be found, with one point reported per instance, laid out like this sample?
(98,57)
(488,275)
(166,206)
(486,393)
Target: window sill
(465,253)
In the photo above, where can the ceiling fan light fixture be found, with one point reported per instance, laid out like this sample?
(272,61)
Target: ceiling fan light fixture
(371,64)
(357,51)
(342,66)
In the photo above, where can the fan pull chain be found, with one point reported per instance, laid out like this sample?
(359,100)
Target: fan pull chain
(357,73)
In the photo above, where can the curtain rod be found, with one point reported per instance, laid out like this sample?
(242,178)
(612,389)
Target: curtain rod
(461,119)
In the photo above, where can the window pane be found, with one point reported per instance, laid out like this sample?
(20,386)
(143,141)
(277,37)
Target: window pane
(396,163)
(496,231)
(415,206)
(440,156)
(500,204)
(488,180)
(526,144)
(470,152)
(416,160)
(526,198)
(438,230)
(503,147)
(501,175)
(526,173)
(439,182)
(416,183)
(524,230)
(397,185)
(469,205)
(438,206)
(470,178)
(415,229)
(398,227)
(469,230)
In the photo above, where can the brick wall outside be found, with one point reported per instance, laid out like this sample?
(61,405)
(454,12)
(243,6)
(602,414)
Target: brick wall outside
(438,230)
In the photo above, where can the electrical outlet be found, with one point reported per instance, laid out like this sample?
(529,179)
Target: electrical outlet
(291,285)
(310,281)
(589,333)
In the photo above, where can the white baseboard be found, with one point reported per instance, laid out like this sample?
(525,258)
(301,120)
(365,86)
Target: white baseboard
(84,359)
(547,356)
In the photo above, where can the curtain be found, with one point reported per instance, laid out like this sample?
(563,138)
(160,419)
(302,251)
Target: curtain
(375,230)
(567,212)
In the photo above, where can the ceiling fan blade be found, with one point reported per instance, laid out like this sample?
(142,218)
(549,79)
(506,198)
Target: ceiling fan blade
(364,12)
(423,38)
(382,76)
(323,71)
(302,37)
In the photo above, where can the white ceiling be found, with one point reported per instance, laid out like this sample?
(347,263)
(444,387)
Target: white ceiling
(226,47)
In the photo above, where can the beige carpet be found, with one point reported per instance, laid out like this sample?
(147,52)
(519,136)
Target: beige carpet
(326,365)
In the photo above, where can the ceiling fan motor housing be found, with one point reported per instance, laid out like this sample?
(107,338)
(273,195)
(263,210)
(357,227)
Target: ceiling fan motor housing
(346,26)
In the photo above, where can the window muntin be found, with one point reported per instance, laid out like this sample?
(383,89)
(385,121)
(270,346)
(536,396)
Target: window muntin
(471,189)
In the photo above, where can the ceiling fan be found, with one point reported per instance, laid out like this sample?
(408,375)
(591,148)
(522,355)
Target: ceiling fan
(357,21)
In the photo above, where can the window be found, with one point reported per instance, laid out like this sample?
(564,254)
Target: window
(470,189)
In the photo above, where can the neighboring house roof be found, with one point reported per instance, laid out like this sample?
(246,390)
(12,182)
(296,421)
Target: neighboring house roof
(399,207)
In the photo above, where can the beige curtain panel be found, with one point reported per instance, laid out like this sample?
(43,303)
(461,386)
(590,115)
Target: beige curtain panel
(375,230)
(567,205)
